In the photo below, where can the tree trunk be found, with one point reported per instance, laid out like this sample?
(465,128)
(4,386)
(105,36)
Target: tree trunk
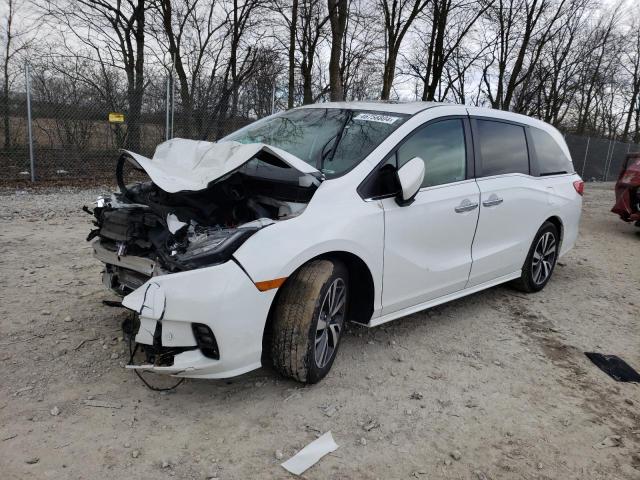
(186,117)
(632,105)
(133,120)
(233,60)
(136,81)
(5,109)
(292,53)
(5,91)
(635,93)
(307,84)
(338,20)
(388,75)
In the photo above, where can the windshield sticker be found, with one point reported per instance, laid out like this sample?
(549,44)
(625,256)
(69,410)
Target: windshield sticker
(375,117)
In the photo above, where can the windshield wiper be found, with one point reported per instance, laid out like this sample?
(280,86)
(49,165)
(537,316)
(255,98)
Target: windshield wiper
(337,138)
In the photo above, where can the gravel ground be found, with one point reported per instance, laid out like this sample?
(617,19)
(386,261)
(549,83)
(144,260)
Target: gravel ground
(492,386)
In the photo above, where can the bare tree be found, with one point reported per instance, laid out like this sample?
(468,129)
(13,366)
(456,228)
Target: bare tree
(16,40)
(448,23)
(258,90)
(570,62)
(194,39)
(115,32)
(631,65)
(551,90)
(519,30)
(358,67)
(398,17)
(338,10)
(592,75)
(312,21)
(289,13)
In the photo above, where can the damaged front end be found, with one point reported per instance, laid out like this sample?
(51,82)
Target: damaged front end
(155,238)
(627,190)
(146,230)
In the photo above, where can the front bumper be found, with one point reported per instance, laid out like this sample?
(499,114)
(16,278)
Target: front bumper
(222,297)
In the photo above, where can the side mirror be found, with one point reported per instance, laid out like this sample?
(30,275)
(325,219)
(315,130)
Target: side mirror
(410,177)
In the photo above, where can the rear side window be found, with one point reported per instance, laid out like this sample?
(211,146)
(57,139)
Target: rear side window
(551,158)
(503,148)
(442,148)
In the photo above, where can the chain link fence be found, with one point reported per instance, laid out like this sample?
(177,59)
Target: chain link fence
(598,159)
(56,129)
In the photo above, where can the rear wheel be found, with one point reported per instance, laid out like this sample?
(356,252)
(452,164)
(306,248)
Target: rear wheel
(309,320)
(541,260)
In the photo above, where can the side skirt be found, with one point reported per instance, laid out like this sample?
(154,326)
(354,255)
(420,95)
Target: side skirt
(444,299)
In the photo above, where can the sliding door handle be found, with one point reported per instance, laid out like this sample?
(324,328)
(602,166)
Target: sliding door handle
(466,206)
(492,201)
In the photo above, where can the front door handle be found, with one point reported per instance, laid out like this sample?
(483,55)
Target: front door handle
(492,201)
(466,206)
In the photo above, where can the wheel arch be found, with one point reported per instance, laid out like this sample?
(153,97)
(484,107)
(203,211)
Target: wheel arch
(361,292)
(557,222)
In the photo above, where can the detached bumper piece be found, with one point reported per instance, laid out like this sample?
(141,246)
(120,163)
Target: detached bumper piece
(204,323)
(157,355)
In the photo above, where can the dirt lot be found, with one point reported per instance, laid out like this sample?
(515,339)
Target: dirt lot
(497,380)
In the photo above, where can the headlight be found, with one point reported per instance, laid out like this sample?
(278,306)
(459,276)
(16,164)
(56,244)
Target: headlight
(214,248)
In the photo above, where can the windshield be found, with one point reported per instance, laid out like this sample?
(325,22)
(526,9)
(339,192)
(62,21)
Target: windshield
(331,140)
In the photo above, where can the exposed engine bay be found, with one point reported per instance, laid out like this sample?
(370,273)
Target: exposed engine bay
(143,230)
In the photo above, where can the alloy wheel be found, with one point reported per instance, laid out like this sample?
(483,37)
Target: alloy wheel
(544,257)
(330,322)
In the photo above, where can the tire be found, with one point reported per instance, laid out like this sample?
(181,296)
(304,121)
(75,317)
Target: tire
(536,274)
(300,347)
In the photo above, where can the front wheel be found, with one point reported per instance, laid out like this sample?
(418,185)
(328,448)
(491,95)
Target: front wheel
(309,319)
(541,260)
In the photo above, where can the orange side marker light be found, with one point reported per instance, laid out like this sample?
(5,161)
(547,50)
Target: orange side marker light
(270,284)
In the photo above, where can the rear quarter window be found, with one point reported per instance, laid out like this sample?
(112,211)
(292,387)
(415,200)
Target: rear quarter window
(503,148)
(551,159)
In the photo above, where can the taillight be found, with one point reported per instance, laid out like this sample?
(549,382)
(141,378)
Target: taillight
(579,186)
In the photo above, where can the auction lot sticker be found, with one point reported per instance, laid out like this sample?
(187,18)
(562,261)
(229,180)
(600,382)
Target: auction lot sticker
(375,117)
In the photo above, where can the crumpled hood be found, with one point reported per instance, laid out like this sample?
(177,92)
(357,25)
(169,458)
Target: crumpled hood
(180,164)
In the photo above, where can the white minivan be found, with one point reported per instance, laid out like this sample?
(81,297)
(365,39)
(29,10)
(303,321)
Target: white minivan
(262,245)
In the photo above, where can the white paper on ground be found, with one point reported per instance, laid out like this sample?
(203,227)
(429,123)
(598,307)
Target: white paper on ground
(310,454)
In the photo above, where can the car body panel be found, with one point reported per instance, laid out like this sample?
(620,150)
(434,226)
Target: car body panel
(427,252)
(505,230)
(191,165)
(280,249)
(513,206)
(627,190)
(408,108)
(222,297)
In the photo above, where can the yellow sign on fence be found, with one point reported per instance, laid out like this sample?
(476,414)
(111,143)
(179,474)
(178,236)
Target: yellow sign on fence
(116,117)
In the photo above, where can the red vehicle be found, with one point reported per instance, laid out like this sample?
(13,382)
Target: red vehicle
(628,190)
